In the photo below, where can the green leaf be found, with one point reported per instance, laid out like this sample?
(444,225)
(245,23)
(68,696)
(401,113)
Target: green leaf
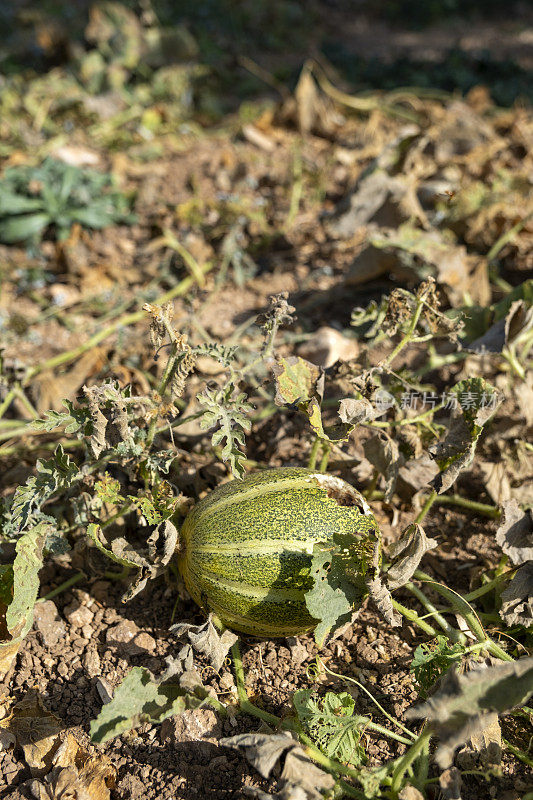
(223,407)
(332,724)
(139,698)
(93,532)
(19,229)
(296,380)
(54,474)
(475,402)
(74,420)
(18,617)
(338,568)
(11,203)
(432,659)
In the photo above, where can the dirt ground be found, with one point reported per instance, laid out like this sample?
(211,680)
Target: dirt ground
(280,184)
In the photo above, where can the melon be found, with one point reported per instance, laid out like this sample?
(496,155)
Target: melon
(246,548)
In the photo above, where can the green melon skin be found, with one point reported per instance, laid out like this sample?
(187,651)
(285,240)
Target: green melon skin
(245,549)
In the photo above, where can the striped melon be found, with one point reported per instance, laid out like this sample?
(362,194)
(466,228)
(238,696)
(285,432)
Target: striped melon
(245,549)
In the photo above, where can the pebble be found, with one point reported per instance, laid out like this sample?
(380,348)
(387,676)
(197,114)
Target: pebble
(226,681)
(48,623)
(122,633)
(298,652)
(62,669)
(105,690)
(78,616)
(142,643)
(91,662)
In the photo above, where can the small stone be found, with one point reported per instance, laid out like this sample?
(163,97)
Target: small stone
(190,726)
(105,690)
(87,632)
(119,635)
(410,793)
(142,643)
(226,681)
(78,616)
(62,669)
(48,623)
(91,662)
(299,653)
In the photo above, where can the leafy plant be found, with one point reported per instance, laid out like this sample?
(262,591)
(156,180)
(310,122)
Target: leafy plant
(432,659)
(57,194)
(332,724)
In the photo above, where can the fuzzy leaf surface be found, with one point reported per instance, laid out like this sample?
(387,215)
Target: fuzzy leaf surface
(466,704)
(477,401)
(332,724)
(338,584)
(18,617)
(139,698)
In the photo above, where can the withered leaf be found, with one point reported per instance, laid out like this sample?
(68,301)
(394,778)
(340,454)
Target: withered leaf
(150,561)
(75,775)
(415,474)
(406,555)
(264,751)
(476,402)
(354,411)
(207,640)
(297,381)
(383,452)
(380,595)
(35,730)
(517,598)
(517,321)
(515,533)
(465,704)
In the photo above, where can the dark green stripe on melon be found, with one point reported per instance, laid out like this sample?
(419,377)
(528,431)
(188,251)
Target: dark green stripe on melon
(245,549)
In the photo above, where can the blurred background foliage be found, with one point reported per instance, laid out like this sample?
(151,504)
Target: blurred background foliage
(402,42)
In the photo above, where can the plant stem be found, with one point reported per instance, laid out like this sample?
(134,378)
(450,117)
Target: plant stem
(406,338)
(488,586)
(472,505)
(167,375)
(452,633)
(419,747)
(79,576)
(26,403)
(427,505)
(412,616)
(325,457)
(518,753)
(6,402)
(313,455)
(359,685)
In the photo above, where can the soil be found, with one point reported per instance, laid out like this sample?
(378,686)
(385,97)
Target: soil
(84,639)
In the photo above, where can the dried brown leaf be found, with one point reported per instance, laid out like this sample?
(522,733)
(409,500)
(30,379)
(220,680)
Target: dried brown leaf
(207,640)
(406,555)
(517,598)
(465,704)
(300,777)
(515,534)
(35,730)
(383,452)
